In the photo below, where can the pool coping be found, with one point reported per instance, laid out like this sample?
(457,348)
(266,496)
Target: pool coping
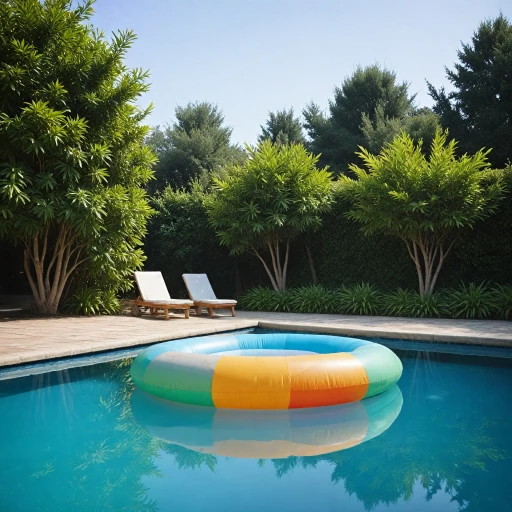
(26,341)
(488,341)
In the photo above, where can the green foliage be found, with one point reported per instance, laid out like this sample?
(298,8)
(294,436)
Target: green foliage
(72,158)
(180,240)
(92,301)
(361,299)
(467,301)
(501,297)
(470,301)
(411,303)
(276,195)
(313,299)
(305,299)
(421,125)
(196,146)
(479,109)
(371,91)
(264,299)
(424,201)
(277,192)
(282,127)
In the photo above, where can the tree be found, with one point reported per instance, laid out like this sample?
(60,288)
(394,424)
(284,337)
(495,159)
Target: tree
(196,146)
(421,124)
(72,158)
(425,201)
(478,112)
(368,91)
(282,127)
(277,194)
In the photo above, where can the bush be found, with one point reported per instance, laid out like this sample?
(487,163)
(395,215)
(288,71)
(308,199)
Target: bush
(181,241)
(361,299)
(470,301)
(502,301)
(91,301)
(314,299)
(411,303)
(264,299)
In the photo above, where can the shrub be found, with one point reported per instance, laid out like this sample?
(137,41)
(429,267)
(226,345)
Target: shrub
(91,301)
(411,303)
(257,299)
(282,301)
(259,207)
(73,163)
(361,299)
(470,301)
(313,299)
(264,299)
(180,241)
(502,301)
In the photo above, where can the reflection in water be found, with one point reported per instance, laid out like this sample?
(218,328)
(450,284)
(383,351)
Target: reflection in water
(74,441)
(267,434)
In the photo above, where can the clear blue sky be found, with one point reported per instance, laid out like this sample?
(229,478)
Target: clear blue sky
(255,56)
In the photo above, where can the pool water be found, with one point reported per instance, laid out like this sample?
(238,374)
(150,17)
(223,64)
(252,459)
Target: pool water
(81,439)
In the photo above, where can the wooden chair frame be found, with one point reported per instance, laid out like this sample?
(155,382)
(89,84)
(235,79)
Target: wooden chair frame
(154,308)
(210,307)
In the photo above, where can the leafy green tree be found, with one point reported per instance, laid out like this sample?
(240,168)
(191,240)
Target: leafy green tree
(478,112)
(370,91)
(425,201)
(72,158)
(282,127)
(277,194)
(196,146)
(422,124)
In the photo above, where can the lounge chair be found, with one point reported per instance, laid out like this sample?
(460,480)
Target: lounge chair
(155,297)
(201,292)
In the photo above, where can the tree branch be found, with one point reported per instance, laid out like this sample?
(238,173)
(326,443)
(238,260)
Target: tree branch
(274,264)
(285,266)
(38,267)
(272,280)
(26,264)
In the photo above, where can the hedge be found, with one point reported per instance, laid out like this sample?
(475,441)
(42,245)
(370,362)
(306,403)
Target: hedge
(180,240)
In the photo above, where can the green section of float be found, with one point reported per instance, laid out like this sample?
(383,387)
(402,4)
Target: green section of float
(382,366)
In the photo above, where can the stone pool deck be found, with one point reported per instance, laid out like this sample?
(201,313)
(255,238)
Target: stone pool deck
(27,340)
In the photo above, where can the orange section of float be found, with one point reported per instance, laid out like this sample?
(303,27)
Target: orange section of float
(326,379)
(241,382)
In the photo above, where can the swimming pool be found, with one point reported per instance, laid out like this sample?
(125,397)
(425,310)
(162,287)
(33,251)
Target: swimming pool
(78,439)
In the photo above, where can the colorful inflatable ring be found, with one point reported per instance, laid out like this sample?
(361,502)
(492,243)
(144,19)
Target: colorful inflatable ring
(229,372)
(267,434)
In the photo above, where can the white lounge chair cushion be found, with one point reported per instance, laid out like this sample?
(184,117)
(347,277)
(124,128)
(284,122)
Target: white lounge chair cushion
(217,301)
(199,287)
(152,286)
(185,302)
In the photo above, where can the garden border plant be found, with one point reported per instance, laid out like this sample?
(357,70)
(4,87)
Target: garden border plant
(470,301)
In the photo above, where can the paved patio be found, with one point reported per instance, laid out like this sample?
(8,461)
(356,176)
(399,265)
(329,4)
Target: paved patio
(37,339)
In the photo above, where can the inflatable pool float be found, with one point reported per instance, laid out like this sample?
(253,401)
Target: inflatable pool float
(299,370)
(267,434)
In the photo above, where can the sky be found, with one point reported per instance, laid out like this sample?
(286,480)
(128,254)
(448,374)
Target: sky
(255,56)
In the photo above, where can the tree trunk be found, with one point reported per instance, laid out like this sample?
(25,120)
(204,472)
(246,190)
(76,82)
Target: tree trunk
(278,269)
(312,267)
(48,276)
(428,255)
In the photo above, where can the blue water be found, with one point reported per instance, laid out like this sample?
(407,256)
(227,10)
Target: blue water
(82,440)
